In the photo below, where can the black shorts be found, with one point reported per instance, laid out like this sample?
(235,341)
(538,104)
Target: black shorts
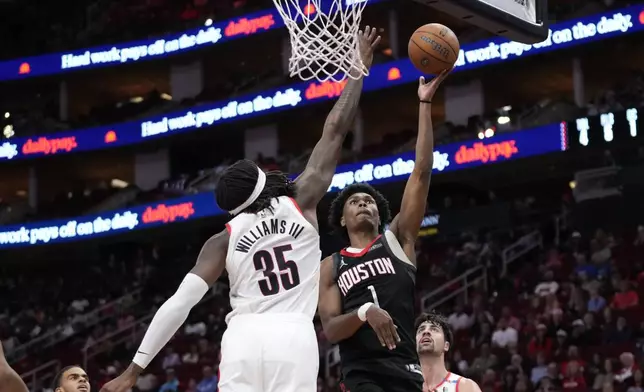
(372,381)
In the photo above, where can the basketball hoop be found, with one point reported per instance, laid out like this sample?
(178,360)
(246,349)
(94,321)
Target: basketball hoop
(324,38)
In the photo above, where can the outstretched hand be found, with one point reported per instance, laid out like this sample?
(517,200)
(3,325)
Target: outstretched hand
(367,43)
(426,90)
(122,383)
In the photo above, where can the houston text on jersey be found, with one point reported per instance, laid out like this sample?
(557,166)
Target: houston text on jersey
(364,270)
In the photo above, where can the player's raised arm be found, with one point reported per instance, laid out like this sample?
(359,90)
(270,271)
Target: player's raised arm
(10,381)
(313,183)
(174,312)
(412,209)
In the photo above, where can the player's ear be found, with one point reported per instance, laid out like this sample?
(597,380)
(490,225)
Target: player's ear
(446,347)
(342,222)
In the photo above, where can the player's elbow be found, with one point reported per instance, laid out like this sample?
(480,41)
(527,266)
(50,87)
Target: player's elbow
(423,172)
(332,334)
(331,329)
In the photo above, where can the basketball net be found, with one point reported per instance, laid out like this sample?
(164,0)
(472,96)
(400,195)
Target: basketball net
(324,38)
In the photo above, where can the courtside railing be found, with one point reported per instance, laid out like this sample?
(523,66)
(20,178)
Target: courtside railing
(128,334)
(132,333)
(108,311)
(40,375)
(459,286)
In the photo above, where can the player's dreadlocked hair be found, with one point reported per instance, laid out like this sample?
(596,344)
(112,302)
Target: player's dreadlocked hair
(436,319)
(337,208)
(238,181)
(58,378)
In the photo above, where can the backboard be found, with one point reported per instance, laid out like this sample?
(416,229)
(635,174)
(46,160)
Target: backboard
(524,21)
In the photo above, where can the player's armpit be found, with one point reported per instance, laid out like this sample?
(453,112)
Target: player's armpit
(337,326)
(212,258)
(467,385)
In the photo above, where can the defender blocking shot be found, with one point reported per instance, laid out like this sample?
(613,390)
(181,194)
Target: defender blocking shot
(271,251)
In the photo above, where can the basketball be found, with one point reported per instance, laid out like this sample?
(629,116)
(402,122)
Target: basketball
(433,48)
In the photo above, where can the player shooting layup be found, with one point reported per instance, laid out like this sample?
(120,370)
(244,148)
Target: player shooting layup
(433,339)
(367,291)
(271,251)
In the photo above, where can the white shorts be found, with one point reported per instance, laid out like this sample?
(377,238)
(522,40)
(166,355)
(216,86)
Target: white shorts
(269,353)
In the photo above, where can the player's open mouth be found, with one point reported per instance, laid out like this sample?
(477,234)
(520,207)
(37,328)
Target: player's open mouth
(83,388)
(425,340)
(364,212)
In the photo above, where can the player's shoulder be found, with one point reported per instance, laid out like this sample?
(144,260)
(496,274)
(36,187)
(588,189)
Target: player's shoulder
(217,241)
(464,384)
(328,269)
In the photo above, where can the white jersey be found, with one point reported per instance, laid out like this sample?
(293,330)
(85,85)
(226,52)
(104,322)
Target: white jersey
(273,261)
(449,384)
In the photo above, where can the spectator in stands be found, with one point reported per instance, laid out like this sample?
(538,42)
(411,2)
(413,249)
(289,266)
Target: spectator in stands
(459,363)
(560,345)
(618,333)
(504,335)
(540,343)
(628,367)
(592,329)
(484,334)
(209,381)
(572,356)
(540,370)
(547,286)
(605,376)
(485,360)
(625,298)
(206,352)
(171,382)
(596,302)
(574,380)
(553,373)
(638,382)
(459,320)
(171,358)
(488,381)
(578,336)
(639,239)
(191,356)
(513,322)
(147,382)
(192,385)
(508,380)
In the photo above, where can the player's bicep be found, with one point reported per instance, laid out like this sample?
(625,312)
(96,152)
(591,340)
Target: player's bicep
(406,224)
(330,302)
(316,178)
(212,258)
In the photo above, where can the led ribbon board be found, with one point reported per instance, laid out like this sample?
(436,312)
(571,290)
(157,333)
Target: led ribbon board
(142,50)
(449,157)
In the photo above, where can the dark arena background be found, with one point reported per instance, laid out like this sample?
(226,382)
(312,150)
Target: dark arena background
(117,118)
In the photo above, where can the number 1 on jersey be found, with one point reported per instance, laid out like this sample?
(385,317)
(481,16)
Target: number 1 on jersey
(374,295)
(289,276)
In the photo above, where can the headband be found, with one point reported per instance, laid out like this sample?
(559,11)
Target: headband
(259,187)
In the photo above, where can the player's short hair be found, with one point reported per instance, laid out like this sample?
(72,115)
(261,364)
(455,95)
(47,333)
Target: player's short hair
(337,208)
(238,181)
(58,378)
(436,319)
